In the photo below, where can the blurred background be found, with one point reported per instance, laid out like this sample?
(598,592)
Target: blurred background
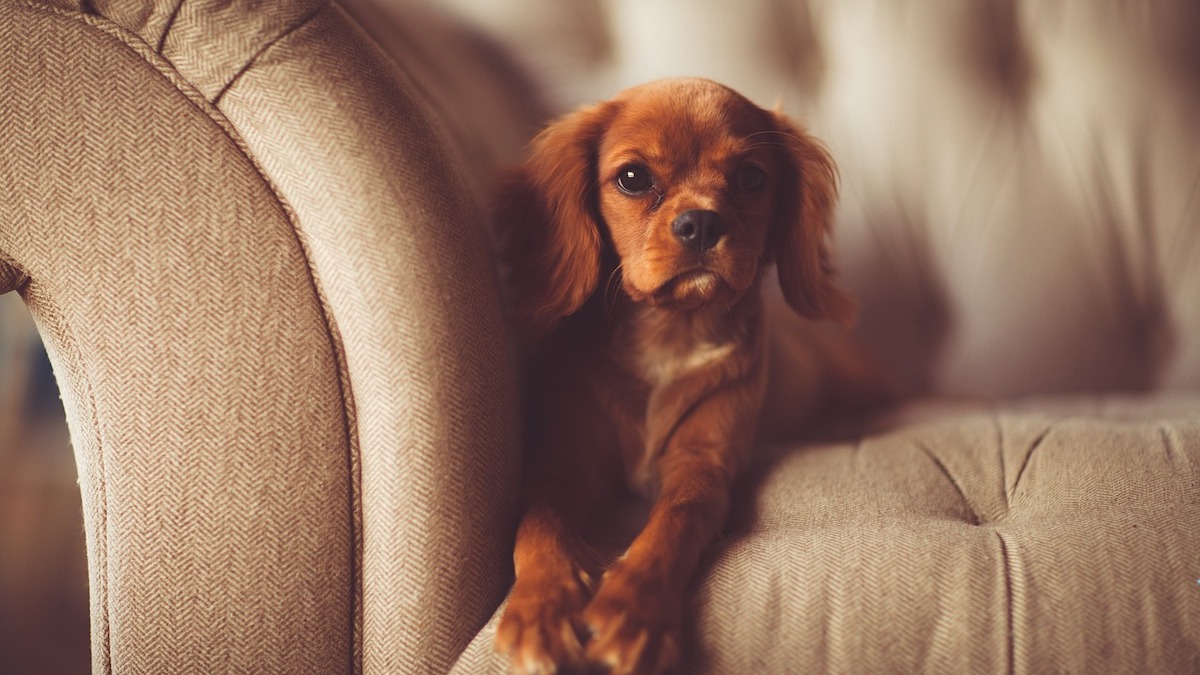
(1019,210)
(43,570)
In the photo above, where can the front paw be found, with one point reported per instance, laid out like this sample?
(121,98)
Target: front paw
(634,625)
(540,628)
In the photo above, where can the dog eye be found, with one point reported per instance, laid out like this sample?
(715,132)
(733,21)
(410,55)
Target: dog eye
(751,178)
(634,179)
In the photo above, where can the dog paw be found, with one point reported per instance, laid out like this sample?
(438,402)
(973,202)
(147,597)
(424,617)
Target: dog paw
(634,626)
(541,626)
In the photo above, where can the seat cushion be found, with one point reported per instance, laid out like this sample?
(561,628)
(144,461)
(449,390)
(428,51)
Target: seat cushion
(1047,535)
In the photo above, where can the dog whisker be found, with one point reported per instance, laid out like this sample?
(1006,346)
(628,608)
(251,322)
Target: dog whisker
(765,144)
(610,302)
(775,132)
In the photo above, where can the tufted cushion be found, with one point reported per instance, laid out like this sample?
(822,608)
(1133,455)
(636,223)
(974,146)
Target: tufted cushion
(1020,196)
(1049,536)
(1034,537)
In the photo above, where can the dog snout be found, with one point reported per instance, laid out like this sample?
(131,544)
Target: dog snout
(698,230)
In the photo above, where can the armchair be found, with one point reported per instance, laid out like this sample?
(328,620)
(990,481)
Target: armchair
(251,238)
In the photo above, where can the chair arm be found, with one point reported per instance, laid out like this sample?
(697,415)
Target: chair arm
(273,321)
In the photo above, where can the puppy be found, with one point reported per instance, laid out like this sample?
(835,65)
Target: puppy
(637,239)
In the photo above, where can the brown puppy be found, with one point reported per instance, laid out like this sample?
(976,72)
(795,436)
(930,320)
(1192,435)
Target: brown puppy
(637,238)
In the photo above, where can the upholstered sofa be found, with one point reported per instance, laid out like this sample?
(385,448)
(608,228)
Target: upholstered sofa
(252,236)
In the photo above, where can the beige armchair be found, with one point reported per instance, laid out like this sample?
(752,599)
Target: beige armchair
(251,237)
(268,300)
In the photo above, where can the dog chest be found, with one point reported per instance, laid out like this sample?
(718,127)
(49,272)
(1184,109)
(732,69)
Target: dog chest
(661,364)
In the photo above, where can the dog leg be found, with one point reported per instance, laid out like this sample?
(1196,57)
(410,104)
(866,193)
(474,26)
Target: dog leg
(635,617)
(541,627)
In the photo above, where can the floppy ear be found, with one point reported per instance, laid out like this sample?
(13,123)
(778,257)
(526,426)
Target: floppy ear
(805,202)
(546,217)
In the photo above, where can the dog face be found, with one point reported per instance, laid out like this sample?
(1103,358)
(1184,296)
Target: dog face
(695,188)
(686,181)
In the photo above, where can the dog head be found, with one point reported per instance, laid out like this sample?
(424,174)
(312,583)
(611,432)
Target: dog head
(695,189)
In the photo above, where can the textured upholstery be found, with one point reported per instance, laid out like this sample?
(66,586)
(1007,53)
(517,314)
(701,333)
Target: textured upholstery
(268,299)
(198,450)
(1047,536)
(251,238)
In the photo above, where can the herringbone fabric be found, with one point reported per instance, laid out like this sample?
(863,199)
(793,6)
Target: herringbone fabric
(412,446)
(1048,536)
(209,42)
(403,255)
(198,369)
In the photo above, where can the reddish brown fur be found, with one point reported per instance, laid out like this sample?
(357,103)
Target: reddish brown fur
(651,361)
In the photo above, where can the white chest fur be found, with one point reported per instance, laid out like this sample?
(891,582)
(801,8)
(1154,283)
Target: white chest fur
(666,346)
(663,363)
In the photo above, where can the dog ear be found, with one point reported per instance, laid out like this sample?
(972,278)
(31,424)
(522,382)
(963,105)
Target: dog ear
(547,220)
(807,196)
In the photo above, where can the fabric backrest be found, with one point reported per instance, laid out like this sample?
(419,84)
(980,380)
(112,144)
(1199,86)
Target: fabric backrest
(1019,204)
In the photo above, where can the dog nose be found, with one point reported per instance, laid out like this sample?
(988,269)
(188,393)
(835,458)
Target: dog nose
(698,230)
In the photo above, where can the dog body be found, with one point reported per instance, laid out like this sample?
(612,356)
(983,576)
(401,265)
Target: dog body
(638,239)
(641,370)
